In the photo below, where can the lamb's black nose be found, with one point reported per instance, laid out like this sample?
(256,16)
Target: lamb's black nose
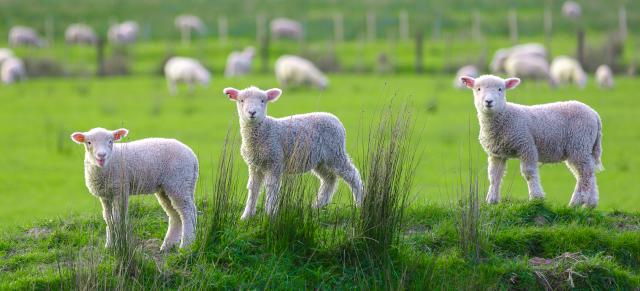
(252,113)
(488,102)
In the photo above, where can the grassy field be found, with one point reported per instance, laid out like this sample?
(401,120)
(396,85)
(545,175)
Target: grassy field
(41,172)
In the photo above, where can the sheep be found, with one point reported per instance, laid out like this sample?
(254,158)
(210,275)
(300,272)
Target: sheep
(567,131)
(24,36)
(566,70)
(469,70)
(80,33)
(286,28)
(189,22)
(523,50)
(272,147)
(5,53)
(571,9)
(530,67)
(12,70)
(123,33)
(239,62)
(185,70)
(604,77)
(166,167)
(295,71)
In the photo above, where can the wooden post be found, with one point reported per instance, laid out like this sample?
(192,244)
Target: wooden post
(476,31)
(100,56)
(622,22)
(338,27)
(371,26)
(185,33)
(48,30)
(513,25)
(580,48)
(437,27)
(548,28)
(264,52)
(223,29)
(419,52)
(260,27)
(403,25)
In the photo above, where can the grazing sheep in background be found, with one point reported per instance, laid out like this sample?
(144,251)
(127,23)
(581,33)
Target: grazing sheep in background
(185,70)
(5,53)
(604,77)
(239,62)
(286,28)
(124,33)
(566,70)
(469,70)
(296,71)
(571,9)
(190,22)
(12,70)
(80,33)
(295,144)
(521,51)
(165,167)
(549,133)
(529,67)
(24,36)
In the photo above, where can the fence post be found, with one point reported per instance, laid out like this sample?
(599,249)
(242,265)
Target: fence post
(338,27)
(580,48)
(622,22)
(260,27)
(419,52)
(548,27)
(513,25)
(476,30)
(371,26)
(403,25)
(223,29)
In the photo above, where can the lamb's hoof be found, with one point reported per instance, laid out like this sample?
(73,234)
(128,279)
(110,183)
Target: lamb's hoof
(108,245)
(536,197)
(492,200)
(246,216)
(318,205)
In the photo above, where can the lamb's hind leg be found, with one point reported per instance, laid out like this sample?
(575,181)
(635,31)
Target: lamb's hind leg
(350,174)
(174,231)
(185,205)
(586,191)
(529,169)
(328,185)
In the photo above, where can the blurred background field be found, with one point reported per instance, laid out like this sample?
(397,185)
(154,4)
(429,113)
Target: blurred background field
(41,173)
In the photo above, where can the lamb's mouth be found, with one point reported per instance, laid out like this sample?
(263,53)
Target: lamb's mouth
(101,162)
(488,106)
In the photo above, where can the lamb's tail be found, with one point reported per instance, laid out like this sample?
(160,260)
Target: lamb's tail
(597,148)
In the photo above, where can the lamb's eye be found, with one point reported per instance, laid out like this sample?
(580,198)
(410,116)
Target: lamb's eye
(241,101)
(262,101)
(89,143)
(110,142)
(500,89)
(478,89)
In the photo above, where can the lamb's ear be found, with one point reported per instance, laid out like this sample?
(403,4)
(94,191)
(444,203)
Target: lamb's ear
(468,81)
(119,134)
(78,137)
(511,83)
(273,94)
(232,93)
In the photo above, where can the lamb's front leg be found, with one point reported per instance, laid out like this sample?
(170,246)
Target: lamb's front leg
(255,182)
(529,169)
(496,169)
(107,205)
(119,210)
(272,185)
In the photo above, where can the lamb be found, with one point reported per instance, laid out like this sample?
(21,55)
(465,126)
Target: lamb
(286,28)
(530,67)
(80,33)
(24,36)
(189,22)
(12,70)
(604,77)
(549,133)
(295,144)
(566,70)
(123,33)
(239,62)
(166,167)
(469,70)
(523,51)
(571,9)
(185,70)
(5,53)
(295,71)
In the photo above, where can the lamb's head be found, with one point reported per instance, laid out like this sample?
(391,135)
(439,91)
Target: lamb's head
(252,102)
(489,92)
(98,143)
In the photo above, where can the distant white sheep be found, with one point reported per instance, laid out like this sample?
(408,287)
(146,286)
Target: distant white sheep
(239,62)
(12,70)
(166,167)
(124,33)
(5,53)
(529,67)
(80,33)
(520,51)
(24,36)
(273,147)
(185,70)
(566,70)
(296,71)
(190,22)
(286,28)
(549,133)
(604,77)
(571,9)
(469,70)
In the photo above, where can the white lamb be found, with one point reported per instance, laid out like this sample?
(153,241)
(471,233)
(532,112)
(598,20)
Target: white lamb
(5,53)
(273,147)
(185,70)
(523,50)
(529,67)
(286,28)
(604,77)
(24,36)
(80,33)
(296,71)
(124,33)
(469,70)
(549,133)
(571,9)
(189,22)
(566,70)
(165,167)
(12,70)
(239,62)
